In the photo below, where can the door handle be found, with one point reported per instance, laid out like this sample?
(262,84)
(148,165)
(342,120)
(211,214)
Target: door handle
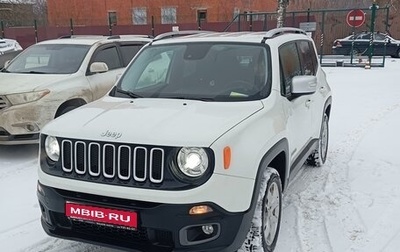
(308,103)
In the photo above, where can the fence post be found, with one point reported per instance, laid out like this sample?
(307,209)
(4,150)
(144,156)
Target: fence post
(36,33)
(239,21)
(374,7)
(265,22)
(71,25)
(109,25)
(251,21)
(2,29)
(198,22)
(152,26)
(322,37)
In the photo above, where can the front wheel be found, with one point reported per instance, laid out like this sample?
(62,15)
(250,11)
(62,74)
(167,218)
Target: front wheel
(264,230)
(318,157)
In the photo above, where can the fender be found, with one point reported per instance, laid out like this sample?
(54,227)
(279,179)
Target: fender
(282,146)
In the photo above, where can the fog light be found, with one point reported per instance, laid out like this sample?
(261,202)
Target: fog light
(207,229)
(30,127)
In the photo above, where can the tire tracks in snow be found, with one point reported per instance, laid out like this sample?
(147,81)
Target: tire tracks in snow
(327,219)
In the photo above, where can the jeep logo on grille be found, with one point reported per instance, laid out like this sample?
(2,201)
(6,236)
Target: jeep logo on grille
(111,134)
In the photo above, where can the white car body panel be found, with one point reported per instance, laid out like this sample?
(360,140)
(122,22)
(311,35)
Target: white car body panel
(169,122)
(79,86)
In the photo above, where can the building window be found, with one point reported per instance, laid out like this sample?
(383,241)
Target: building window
(168,15)
(202,15)
(139,16)
(112,17)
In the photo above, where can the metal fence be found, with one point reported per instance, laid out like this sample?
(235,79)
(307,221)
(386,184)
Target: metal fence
(324,26)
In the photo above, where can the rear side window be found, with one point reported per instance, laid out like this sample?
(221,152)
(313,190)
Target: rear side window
(108,55)
(128,52)
(290,66)
(309,61)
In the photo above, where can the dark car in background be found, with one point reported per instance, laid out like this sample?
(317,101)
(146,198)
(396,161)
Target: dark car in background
(383,44)
(9,48)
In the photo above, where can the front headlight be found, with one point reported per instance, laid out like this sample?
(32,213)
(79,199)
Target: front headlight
(192,161)
(21,98)
(52,148)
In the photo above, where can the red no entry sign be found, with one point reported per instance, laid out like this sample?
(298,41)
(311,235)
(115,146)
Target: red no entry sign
(355,18)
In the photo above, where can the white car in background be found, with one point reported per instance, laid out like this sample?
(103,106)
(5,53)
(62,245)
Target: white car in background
(9,48)
(53,77)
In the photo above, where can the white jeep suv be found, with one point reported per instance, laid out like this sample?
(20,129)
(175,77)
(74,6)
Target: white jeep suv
(192,148)
(53,77)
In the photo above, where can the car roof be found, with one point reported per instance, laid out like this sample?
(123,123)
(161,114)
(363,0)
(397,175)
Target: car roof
(92,39)
(245,37)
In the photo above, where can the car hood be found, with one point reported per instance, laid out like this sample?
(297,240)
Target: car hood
(165,122)
(13,83)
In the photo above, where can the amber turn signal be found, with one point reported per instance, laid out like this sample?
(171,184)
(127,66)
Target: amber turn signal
(227,157)
(202,209)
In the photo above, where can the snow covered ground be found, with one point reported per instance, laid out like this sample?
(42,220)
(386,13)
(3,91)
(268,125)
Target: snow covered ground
(350,204)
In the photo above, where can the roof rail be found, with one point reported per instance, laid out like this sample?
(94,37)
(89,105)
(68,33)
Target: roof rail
(179,34)
(114,37)
(280,31)
(106,36)
(82,36)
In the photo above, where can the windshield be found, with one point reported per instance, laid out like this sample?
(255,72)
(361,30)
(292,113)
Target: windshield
(49,59)
(203,71)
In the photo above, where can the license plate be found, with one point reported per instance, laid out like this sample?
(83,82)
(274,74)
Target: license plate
(101,215)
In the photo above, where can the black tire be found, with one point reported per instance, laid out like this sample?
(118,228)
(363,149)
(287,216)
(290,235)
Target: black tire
(265,225)
(318,157)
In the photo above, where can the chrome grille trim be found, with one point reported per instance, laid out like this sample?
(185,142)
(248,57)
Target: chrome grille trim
(152,179)
(94,163)
(129,168)
(105,156)
(135,168)
(63,151)
(113,162)
(78,145)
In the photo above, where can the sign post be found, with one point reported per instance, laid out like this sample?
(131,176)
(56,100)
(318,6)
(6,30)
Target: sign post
(355,18)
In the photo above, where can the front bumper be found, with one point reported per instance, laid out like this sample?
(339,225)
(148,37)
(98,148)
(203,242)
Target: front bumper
(161,227)
(8,139)
(21,124)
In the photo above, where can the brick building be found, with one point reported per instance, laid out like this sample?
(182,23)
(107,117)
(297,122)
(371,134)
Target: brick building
(142,12)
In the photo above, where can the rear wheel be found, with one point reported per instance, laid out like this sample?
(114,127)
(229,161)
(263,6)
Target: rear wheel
(264,230)
(318,157)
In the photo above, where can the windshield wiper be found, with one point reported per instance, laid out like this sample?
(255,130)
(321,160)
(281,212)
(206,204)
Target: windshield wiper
(128,93)
(4,70)
(32,72)
(190,98)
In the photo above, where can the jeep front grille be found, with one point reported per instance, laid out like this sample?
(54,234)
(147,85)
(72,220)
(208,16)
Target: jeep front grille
(125,163)
(3,103)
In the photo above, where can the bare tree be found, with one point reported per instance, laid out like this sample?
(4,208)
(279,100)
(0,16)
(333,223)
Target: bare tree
(282,5)
(40,11)
(23,12)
